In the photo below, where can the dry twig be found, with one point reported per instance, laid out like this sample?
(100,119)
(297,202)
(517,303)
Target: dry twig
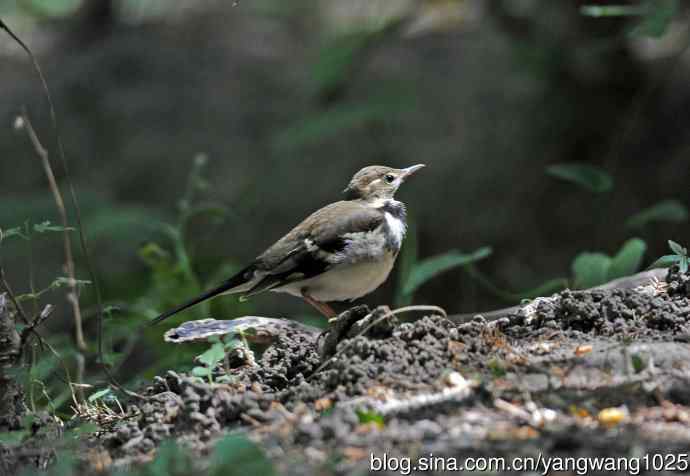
(73,294)
(75,204)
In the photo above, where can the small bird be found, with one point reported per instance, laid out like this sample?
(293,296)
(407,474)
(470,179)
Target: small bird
(341,252)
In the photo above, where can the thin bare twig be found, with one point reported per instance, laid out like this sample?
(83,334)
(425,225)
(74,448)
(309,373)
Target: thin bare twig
(73,195)
(73,294)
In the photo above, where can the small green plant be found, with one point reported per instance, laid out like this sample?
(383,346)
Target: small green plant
(214,355)
(370,416)
(497,368)
(638,363)
(594,268)
(25,231)
(172,278)
(679,257)
(100,394)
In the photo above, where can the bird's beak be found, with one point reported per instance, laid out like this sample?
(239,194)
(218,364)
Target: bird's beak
(410,171)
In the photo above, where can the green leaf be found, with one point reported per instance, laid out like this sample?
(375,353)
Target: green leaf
(171,459)
(590,269)
(683,265)
(611,10)
(98,395)
(665,261)
(429,268)
(54,8)
(658,16)
(588,176)
(47,227)
(44,367)
(677,249)
(235,343)
(213,355)
(369,416)
(497,368)
(237,455)
(638,363)
(666,211)
(628,260)
(64,281)
(59,282)
(11,232)
(201,371)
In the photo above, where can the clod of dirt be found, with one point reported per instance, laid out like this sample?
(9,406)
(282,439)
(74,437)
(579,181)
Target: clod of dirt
(532,381)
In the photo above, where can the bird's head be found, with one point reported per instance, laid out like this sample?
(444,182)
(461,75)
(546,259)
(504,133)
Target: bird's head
(378,182)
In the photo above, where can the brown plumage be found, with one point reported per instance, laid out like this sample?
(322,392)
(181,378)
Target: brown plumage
(340,252)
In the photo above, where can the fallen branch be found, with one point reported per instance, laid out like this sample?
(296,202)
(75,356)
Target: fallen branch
(458,389)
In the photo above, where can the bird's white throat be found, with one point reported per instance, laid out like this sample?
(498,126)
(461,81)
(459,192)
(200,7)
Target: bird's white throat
(396,226)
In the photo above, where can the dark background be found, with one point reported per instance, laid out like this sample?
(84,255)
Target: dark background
(286,100)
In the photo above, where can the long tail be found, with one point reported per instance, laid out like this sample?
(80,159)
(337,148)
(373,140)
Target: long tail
(242,277)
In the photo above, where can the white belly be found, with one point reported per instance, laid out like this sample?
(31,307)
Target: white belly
(344,282)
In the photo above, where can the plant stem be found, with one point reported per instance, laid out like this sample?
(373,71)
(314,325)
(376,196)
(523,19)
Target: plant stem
(73,294)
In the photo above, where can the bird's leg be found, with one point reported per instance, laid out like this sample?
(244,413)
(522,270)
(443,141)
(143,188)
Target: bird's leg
(322,307)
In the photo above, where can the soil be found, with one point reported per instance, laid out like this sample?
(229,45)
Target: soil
(582,373)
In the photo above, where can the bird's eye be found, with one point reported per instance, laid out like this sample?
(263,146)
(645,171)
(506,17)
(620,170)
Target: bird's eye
(389,178)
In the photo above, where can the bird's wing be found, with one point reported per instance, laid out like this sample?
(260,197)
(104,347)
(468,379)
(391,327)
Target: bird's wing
(312,247)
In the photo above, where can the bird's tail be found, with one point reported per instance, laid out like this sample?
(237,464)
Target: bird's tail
(243,277)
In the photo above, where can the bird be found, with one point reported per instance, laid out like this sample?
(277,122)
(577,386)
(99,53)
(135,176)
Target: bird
(341,252)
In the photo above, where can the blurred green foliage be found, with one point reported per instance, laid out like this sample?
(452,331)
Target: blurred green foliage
(655,15)
(594,268)
(585,175)
(370,416)
(233,455)
(672,211)
(425,270)
(49,8)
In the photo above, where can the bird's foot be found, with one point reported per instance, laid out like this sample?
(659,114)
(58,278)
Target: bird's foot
(339,327)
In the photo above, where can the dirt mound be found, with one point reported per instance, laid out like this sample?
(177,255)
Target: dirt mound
(534,381)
